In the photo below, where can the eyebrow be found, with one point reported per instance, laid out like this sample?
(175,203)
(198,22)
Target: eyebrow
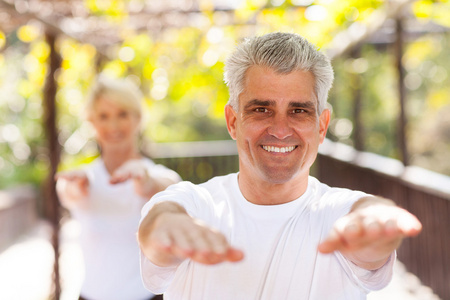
(257,102)
(303,104)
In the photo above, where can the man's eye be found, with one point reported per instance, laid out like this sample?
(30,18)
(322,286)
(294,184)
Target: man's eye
(299,111)
(261,109)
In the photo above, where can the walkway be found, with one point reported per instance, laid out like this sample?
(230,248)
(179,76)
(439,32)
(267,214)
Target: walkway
(26,270)
(26,267)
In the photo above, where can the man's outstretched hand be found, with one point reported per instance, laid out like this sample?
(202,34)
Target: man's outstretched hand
(372,230)
(168,235)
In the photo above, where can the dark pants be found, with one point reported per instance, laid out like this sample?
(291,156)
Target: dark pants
(156,297)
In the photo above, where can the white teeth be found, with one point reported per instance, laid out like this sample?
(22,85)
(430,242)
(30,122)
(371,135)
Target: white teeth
(278,149)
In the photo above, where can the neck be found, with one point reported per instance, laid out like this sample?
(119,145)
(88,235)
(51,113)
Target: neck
(115,157)
(263,192)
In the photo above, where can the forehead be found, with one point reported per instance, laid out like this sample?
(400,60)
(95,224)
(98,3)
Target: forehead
(264,83)
(112,103)
(108,103)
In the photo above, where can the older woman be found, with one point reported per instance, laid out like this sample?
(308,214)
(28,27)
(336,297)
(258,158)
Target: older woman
(107,195)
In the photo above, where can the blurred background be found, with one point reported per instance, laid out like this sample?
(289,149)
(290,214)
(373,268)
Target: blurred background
(390,103)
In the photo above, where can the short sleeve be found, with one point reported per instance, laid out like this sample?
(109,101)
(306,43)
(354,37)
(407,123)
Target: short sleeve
(369,280)
(156,279)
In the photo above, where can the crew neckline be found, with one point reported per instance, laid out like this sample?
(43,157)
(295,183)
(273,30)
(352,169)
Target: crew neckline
(271,211)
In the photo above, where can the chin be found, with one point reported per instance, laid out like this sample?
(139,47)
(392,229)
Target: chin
(279,176)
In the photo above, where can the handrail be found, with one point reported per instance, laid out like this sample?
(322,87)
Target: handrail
(432,182)
(191,149)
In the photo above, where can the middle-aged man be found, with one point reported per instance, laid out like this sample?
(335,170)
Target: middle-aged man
(271,231)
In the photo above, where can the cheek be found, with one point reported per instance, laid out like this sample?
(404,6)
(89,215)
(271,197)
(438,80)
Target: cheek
(100,135)
(98,128)
(250,128)
(309,133)
(131,128)
(246,136)
(135,126)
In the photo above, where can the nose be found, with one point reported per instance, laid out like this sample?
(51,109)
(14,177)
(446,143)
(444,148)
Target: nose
(280,127)
(113,123)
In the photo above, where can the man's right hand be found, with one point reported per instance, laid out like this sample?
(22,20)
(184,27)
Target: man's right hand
(168,235)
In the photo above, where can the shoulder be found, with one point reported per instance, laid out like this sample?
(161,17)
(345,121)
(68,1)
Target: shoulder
(94,166)
(217,182)
(334,198)
(198,199)
(211,187)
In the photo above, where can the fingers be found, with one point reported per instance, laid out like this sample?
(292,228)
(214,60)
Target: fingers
(76,178)
(120,177)
(234,255)
(71,175)
(197,242)
(409,225)
(331,243)
(380,227)
(132,169)
(205,246)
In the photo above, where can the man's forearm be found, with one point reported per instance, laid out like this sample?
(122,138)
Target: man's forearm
(153,219)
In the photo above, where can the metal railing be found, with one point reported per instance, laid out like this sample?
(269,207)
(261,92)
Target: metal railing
(197,161)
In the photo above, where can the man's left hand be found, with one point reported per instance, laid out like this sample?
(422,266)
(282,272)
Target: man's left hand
(372,230)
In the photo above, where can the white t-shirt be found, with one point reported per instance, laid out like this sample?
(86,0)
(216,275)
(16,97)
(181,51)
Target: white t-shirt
(108,234)
(279,243)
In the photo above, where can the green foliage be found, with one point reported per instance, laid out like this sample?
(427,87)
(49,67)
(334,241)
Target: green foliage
(373,74)
(22,138)
(429,105)
(180,71)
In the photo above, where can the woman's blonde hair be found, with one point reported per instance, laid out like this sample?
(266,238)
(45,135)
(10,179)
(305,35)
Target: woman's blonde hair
(120,91)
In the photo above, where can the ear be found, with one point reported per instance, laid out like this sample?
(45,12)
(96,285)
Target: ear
(324,121)
(230,117)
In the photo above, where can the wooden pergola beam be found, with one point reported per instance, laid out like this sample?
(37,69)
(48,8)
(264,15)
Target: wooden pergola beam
(357,33)
(50,27)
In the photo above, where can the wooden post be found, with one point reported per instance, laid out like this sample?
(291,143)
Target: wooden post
(52,203)
(402,120)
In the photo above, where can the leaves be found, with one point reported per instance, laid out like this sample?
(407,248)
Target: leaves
(180,71)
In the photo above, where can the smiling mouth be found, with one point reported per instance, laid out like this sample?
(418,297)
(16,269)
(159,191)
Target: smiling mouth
(279,149)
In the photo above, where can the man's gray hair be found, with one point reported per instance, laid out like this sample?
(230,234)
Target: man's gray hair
(284,53)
